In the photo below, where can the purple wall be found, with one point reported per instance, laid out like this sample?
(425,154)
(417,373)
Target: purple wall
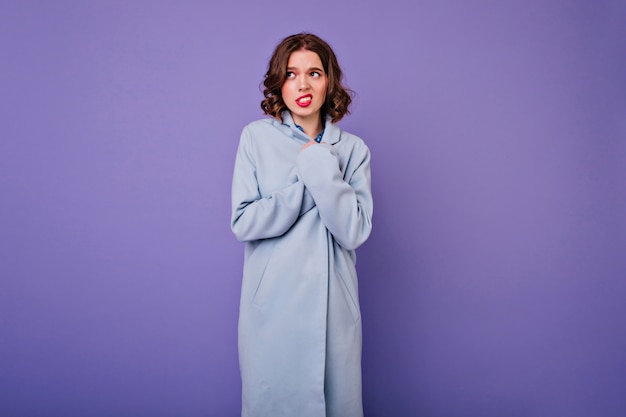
(493,283)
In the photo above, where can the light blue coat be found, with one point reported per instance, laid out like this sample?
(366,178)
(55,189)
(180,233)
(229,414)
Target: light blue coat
(302,214)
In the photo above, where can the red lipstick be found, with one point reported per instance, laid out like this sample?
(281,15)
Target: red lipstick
(305,100)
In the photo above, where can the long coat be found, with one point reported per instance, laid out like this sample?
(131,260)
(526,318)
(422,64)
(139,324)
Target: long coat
(302,214)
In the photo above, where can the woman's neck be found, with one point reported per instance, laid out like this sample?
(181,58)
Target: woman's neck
(312,127)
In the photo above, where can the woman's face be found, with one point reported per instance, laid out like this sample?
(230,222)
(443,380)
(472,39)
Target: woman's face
(304,90)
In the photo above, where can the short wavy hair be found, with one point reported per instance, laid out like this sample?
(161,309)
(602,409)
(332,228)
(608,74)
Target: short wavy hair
(338,98)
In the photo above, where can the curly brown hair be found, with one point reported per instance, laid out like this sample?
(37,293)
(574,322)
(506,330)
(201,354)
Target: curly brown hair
(338,98)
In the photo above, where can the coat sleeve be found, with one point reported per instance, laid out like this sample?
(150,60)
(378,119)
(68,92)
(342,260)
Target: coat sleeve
(345,205)
(254,216)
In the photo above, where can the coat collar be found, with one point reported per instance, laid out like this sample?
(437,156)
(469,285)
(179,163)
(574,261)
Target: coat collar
(331,130)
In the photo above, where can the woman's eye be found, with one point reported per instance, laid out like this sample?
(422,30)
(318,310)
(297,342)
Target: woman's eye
(315,74)
(290,74)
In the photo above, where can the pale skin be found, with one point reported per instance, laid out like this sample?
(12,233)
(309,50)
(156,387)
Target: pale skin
(304,91)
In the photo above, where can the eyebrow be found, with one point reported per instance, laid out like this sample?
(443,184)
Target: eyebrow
(310,69)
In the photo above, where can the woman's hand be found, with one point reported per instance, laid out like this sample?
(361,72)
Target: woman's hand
(306,145)
(309,143)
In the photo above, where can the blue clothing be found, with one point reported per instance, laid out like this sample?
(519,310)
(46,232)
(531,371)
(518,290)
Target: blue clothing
(302,214)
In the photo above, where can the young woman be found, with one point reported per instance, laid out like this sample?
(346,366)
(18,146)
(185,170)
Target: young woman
(302,202)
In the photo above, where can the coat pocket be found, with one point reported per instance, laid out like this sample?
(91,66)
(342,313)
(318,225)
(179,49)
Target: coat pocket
(254,270)
(350,295)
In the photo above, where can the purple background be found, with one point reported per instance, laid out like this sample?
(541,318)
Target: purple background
(493,283)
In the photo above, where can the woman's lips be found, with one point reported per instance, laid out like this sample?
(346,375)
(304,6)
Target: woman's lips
(304,101)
